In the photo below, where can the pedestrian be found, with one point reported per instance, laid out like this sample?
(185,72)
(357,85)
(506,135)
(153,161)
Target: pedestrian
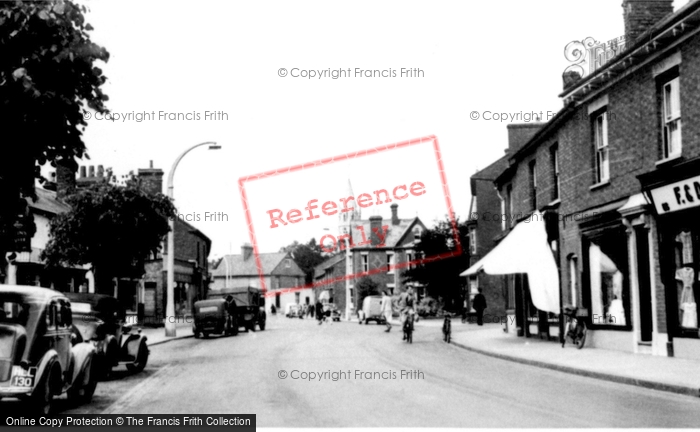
(387,310)
(479,305)
(407,302)
(273,309)
(312,310)
(319,312)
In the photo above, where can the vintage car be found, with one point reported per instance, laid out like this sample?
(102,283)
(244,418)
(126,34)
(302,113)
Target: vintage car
(40,356)
(293,311)
(212,316)
(100,320)
(250,306)
(371,310)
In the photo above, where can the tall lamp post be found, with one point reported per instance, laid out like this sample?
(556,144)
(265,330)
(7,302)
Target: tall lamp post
(170,307)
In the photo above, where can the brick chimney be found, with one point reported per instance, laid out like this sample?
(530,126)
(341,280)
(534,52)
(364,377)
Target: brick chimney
(395,214)
(375,226)
(246,251)
(520,133)
(151,179)
(641,15)
(65,177)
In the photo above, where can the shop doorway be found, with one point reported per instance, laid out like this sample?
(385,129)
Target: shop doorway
(646,316)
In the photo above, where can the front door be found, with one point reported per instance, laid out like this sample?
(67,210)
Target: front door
(646,316)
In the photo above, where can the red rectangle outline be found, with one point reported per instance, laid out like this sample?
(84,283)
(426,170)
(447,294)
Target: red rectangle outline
(351,155)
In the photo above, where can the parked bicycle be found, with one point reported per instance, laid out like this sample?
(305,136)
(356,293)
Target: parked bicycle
(575,329)
(447,328)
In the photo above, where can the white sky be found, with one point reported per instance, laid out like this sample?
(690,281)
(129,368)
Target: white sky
(192,57)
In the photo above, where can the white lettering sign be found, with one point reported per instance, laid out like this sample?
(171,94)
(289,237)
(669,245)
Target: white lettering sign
(677,196)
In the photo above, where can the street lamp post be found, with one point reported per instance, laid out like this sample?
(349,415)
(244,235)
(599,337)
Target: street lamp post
(170,307)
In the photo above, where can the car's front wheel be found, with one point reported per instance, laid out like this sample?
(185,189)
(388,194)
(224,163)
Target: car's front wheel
(141,359)
(84,386)
(41,400)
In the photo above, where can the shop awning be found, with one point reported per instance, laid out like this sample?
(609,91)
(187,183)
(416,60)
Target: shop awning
(525,250)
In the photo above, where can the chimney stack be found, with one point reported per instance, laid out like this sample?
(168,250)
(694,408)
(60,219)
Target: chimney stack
(246,251)
(65,177)
(520,133)
(91,171)
(375,226)
(641,15)
(151,179)
(100,171)
(395,214)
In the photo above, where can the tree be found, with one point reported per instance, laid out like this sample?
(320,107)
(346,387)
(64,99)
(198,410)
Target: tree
(441,276)
(366,286)
(48,79)
(307,256)
(112,228)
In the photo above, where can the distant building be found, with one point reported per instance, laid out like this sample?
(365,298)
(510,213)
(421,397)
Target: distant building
(283,277)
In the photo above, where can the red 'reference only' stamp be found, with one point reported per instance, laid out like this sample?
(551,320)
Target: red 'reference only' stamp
(279,217)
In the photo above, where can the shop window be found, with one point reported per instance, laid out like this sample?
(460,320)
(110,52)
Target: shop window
(608,284)
(671,119)
(685,276)
(473,291)
(600,142)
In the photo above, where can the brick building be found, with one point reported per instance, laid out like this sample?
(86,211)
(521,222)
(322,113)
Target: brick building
(617,175)
(284,280)
(371,255)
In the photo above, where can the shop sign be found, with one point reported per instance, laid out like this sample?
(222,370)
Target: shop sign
(677,196)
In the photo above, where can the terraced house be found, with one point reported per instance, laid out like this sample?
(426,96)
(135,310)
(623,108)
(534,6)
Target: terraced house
(616,175)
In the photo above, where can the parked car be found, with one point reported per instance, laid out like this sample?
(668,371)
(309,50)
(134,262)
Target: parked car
(250,306)
(293,310)
(100,320)
(372,310)
(213,316)
(40,354)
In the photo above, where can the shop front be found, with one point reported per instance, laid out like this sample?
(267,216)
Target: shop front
(675,195)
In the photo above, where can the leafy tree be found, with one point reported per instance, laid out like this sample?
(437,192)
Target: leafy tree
(441,276)
(112,228)
(48,79)
(307,256)
(366,286)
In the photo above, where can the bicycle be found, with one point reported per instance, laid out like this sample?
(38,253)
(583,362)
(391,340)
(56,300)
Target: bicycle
(575,328)
(447,328)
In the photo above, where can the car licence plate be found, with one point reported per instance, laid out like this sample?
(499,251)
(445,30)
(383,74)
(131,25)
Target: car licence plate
(22,377)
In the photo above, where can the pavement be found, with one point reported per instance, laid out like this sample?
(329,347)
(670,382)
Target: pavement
(156,335)
(655,372)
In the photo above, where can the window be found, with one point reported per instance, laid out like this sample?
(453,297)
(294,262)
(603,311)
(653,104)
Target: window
(600,141)
(288,263)
(409,258)
(554,153)
(533,185)
(573,277)
(509,205)
(416,233)
(608,283)
(472,240)
(390,262)
(671,119)
(365,263)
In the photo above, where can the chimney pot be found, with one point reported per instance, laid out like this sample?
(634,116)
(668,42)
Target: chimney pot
(150,165)
(82,171)
(100,171)
(375,226)
(91,171)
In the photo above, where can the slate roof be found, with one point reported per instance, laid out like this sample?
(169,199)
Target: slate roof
(320,269)
(393,237)
(240,267)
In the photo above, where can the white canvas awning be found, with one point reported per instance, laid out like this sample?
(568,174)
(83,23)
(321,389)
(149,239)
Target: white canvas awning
(525,250)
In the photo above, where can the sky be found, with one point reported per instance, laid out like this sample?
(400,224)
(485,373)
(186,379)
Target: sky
(193,72)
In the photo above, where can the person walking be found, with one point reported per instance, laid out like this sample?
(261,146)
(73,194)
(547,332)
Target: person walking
(479,306)
(387,310)
(319,312)
(407,302)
